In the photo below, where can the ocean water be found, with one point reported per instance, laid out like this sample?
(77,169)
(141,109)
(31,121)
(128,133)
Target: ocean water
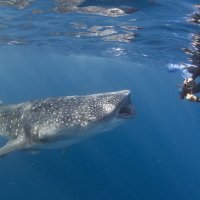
(155,155)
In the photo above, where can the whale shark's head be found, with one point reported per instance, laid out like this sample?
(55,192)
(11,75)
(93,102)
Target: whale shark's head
(124,109)
(109,106)
(101,112)
(118,105)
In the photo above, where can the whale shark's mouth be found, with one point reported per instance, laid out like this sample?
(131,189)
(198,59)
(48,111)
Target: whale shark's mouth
(126,109)
(126,112)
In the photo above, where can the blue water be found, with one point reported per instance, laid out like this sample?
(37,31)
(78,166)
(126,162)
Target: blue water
(156,155)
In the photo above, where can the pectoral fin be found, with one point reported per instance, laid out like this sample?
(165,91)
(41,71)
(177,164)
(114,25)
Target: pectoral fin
(13,145)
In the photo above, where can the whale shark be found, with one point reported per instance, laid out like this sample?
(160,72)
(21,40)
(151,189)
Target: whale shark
(58,122)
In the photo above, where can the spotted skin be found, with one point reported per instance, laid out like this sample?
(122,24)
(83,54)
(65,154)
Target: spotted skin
(63,120)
